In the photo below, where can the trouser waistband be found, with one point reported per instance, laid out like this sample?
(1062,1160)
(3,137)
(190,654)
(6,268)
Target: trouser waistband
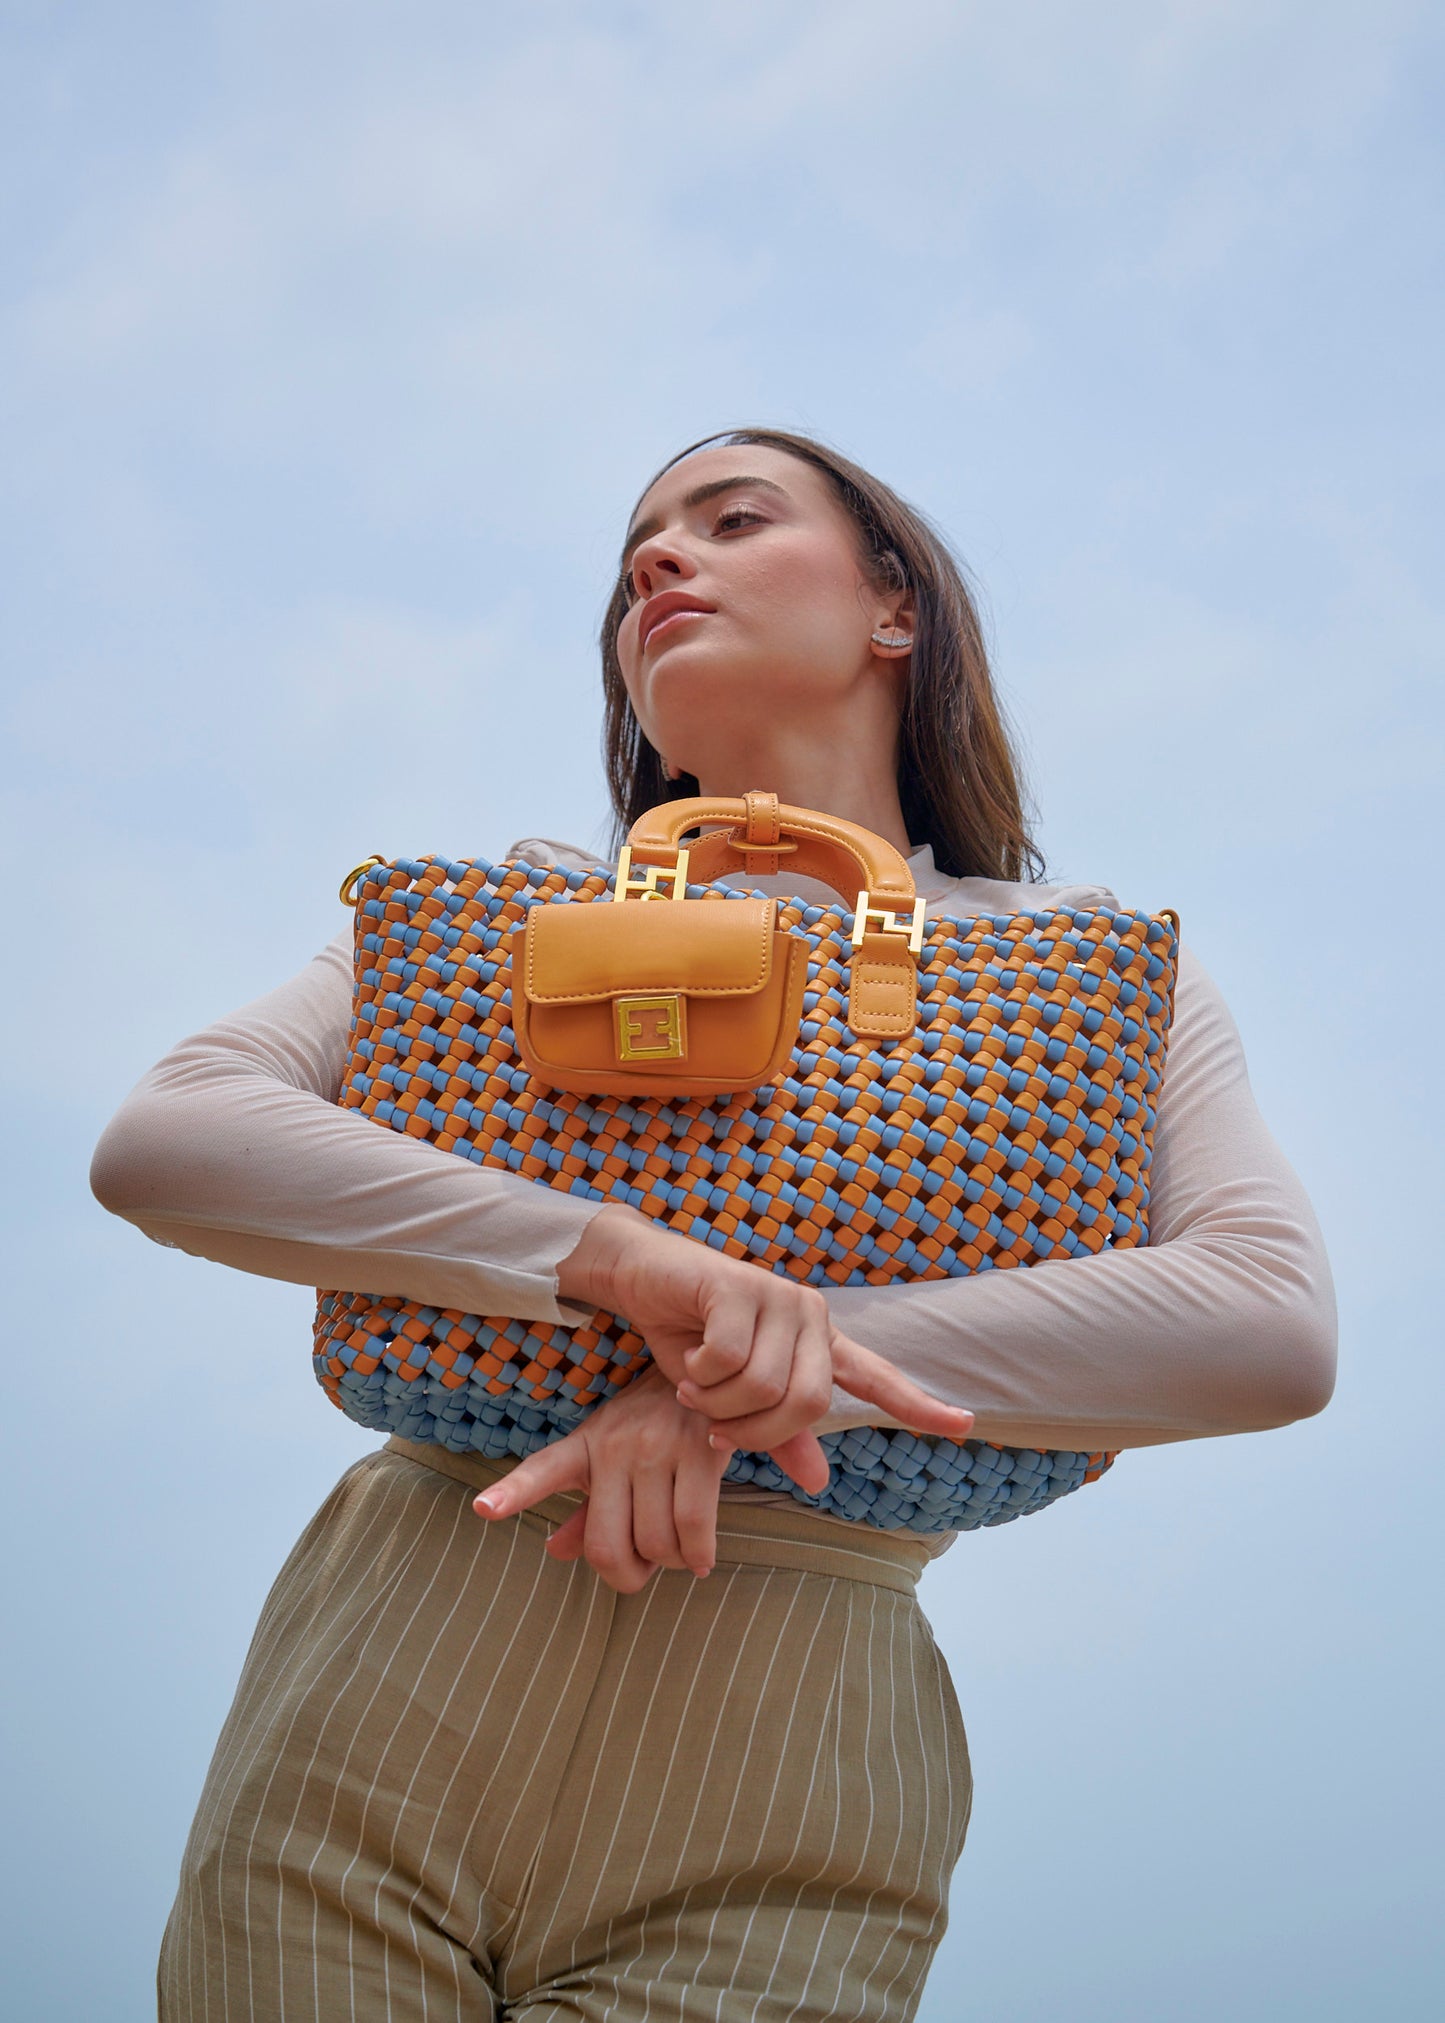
(748,1533)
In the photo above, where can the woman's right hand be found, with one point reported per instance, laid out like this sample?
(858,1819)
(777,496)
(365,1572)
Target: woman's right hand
(650,1480)
(751,1350)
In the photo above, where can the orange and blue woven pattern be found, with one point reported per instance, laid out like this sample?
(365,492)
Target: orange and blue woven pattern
(1013,1129)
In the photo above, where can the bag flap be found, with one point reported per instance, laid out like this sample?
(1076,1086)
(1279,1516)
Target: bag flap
(577,954)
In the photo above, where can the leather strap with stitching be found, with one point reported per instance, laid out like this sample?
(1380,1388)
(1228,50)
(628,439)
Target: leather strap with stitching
(882,989)
(839,853)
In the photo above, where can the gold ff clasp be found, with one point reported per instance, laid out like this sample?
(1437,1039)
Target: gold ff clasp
(651,1028)
(888,922)
(649,885)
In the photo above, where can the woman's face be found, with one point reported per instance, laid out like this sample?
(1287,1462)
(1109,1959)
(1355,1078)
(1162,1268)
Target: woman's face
(749,608)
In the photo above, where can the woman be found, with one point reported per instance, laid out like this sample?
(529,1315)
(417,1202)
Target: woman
(682,1755)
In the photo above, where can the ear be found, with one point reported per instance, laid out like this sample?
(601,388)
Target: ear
(894,623)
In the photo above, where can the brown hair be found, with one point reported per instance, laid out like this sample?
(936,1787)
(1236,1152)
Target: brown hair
(958,777)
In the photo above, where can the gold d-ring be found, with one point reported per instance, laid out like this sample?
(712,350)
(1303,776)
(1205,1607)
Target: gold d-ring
(348,883)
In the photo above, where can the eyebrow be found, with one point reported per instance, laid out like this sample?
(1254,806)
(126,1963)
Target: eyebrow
(699,496)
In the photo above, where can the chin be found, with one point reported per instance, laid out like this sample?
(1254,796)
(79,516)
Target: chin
(762,673)
(692,675)
(703,698)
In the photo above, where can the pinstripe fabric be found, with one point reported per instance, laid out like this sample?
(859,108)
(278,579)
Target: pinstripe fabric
(461,1781)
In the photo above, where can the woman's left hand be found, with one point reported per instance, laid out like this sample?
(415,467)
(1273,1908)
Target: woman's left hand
(651,1480)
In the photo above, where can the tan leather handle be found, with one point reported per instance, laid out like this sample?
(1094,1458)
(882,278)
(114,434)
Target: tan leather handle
(763,835)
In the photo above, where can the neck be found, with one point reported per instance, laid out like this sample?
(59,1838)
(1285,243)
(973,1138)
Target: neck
(817,774)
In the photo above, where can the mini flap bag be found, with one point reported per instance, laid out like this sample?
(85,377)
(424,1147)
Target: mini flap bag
(849,1095)
(681,999)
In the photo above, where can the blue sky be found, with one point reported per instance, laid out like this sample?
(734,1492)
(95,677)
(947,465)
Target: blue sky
(335,344)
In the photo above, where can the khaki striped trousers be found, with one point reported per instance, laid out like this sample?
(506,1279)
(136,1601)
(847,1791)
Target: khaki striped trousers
(462,1781)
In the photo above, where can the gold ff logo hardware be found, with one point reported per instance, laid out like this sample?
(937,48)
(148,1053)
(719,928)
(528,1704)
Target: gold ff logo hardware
(650,1029)
(647,882)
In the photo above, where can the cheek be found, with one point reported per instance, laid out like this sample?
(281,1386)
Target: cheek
(635,677)
(628,658)
(806,582)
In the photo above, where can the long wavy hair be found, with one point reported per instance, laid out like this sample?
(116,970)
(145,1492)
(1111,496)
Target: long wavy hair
(958,776)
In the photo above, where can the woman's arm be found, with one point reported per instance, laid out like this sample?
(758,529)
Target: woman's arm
(1225,1323)
(232,1148)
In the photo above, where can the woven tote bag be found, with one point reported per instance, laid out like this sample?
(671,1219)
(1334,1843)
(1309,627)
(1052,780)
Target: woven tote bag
(850,1095)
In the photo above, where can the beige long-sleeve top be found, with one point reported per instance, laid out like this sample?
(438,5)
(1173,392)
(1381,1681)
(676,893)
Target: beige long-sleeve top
(232,1148)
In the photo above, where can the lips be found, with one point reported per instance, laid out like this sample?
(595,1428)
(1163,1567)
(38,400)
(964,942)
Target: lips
(669,604)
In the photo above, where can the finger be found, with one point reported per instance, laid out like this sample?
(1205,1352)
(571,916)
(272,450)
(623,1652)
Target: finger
(807,1398)
(877,1382)
(654,1534)
(608,1547)
(761,1432)
(799,1455)
(729,1319)
(803,1458)
(563,1465)
(569,1540)
(694,1507)
(765,1379)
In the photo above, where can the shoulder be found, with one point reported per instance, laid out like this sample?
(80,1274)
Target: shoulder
(547,850)
(971,898)
(1201,1019)
(1199,1006)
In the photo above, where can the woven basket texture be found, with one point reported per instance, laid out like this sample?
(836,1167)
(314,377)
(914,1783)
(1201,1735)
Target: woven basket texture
(1014,1129)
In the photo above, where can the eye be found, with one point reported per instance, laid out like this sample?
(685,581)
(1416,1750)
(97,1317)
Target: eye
(737,515)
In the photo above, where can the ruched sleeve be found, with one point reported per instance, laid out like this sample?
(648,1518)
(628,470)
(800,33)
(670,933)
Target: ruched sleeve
(1225,1323)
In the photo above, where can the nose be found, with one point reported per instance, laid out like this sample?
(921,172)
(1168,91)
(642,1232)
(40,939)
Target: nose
(659,561)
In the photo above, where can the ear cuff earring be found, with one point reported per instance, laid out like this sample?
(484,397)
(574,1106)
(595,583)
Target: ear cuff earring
(897,640)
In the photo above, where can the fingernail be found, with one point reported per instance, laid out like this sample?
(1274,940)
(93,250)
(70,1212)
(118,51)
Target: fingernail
(484,1507)
(702,1572)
